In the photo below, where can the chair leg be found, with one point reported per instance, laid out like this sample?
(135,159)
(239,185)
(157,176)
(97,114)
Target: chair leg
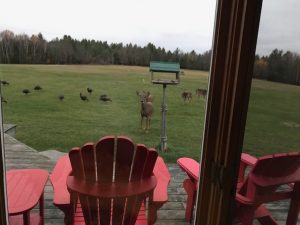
(26,218)
(190,188)
(267,220)
(41,207)
(294,206)
(248,218)
(263,215)
(152,212)
(245,214)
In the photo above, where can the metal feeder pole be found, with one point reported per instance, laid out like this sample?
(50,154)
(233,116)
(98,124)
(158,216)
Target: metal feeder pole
(163,131)
(164,67)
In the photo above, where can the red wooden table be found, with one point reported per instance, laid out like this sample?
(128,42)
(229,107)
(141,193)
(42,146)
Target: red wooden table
(25,189)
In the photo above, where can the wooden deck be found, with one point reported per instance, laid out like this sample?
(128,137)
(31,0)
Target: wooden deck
(19,156)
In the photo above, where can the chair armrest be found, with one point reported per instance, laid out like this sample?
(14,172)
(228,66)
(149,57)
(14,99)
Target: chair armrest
(191,167)
(161,172)
(58,179)
(111,190)
(243,200)
(248,159)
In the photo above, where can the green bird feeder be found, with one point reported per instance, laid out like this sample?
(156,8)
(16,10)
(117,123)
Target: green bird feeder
(164,73)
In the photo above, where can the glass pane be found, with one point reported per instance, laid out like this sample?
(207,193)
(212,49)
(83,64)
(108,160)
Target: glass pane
(273,123)
(81,75)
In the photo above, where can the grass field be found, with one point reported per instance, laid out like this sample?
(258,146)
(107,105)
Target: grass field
(273,123)
(44,122)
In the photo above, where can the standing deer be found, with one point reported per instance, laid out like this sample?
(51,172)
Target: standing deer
(186,96)
(201,92)
(147,108)
(149,97)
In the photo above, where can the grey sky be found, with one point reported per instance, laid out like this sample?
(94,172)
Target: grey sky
(187,25)
(169,23)
(279,26)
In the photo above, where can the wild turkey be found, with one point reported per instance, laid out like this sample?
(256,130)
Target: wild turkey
(26,91)
(89,90)
(83,97)
(3,100)
(4,82)
(61,97)
(105,98)
(37,88)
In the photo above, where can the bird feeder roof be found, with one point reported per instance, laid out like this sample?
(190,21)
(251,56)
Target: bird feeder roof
(166,67)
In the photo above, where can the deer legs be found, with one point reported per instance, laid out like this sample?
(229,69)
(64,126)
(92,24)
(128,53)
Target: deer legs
(141,123)
(147,123)
(149,120)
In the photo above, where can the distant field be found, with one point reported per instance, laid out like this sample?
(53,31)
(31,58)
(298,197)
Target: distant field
(44,122)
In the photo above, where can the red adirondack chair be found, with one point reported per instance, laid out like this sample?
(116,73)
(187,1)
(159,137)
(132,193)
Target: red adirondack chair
(110,183)
(272,178)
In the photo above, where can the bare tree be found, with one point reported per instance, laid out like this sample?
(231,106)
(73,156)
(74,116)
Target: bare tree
(23,44)
(6,38)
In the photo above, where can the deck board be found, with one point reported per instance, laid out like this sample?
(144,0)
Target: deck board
(19,155)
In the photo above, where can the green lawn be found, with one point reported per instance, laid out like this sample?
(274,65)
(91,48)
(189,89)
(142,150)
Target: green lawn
(44,122)
(273,123)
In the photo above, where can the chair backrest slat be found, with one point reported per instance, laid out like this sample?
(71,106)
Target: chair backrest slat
(88,159)
(150,163)
(124,159)
(105,154)
(139,162)
(138,168)
(76,162)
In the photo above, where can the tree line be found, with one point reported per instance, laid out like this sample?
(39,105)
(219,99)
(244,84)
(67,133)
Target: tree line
(22,49)
(279,66)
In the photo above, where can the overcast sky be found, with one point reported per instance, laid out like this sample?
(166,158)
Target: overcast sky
(279,26)
(187,25)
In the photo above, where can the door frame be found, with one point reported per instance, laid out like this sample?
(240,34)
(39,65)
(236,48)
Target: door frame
(233,54)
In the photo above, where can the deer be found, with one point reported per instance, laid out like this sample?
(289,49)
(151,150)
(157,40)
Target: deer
(187,96)
(146,100)
(201,92)
(149,97)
